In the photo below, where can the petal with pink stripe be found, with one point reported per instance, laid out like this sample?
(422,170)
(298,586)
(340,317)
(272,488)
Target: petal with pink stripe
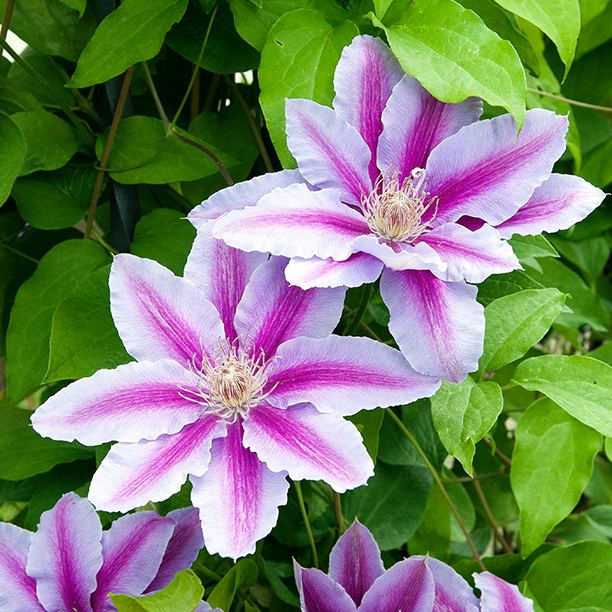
(238,497)
(221,273)
(439,326)
(132,549)
(358,269)
(133,474)
(272,311)
(294,222)
(308,444)
(18,590)
(500,596)
(364,79)
(159,315)
(486,171)
(416,122)
(345,375)
(132,402)
(472,256)
(556,204)
(319,593)
(66,554)
(241,195)
(355,561)
(330,153)
(408,586)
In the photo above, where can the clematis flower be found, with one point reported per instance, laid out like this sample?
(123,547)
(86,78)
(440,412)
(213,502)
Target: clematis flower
(392,180)
(71,564)
(237,383)
(357,580)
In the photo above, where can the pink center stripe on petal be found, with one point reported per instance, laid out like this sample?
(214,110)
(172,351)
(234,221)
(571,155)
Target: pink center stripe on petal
(14,568)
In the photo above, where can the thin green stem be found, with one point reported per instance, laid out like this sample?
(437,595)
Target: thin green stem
(208,572)
(101,240)
(313,548)
(498,453)
(365,298)
(436,477)
(197,145)
(107,149)
(606,109)
(497,530)
(366,328)
(78,123)
(158,104)
(6,21)
(338,512)
(10,248)
(195,72)
(502,470)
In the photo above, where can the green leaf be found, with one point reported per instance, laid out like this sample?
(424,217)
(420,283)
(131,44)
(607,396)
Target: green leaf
(83,336)
(596,167)
(225,53)
(58,273)
(552,463)
(132,33)
(13,149)
(241,577)
(600,517)
(514,323)
(575,577)
(580,385)
(454,55)
(531,246)
(392,505)
(368,422)
(24,453)
(558,19)
(500,285)
(183,594)
(299,61)
(54,200)
(589,255)
(608,448)
(50,141)
(277,585)
(595,33)
(434,533)
(165,236)
(15,98)
(463,413)
(77,5)
(143,153)
(51,27)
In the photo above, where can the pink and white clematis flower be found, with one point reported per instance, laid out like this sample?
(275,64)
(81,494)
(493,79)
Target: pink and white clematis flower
(237,383)
(358,582)
(392,180)
(71,564)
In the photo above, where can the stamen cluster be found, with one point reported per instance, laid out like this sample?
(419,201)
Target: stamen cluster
(395,211)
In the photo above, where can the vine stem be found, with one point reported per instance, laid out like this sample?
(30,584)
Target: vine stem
(497,530)
(338,512)
(498,453)
(436,477)
(606,109)
(107,149)
(6,21)
(313,548)
(365,298)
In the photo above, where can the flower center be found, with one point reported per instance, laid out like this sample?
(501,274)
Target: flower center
(231,383)
(395,211)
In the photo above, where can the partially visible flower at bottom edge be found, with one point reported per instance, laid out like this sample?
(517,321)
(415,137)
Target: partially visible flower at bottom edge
(71,564)
(358,581)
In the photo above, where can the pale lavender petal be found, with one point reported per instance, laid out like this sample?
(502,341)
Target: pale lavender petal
(240,195)
(132,549)
(238,497)
(319,593)
(415,123)
(408,586)
(500,596)
(400,256)
(355,561)
(439,326)
(330,153)
(132,402)
(358,269)
(66,554)
(364,78)
(308,444)
(272,311)
(556,204)
(345,375)
(486,171)
(183,548)
(453,593)
(159,315)
(294,222)
(17,590)
(221,273)
(133,474)
(205,607)
(472,256)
